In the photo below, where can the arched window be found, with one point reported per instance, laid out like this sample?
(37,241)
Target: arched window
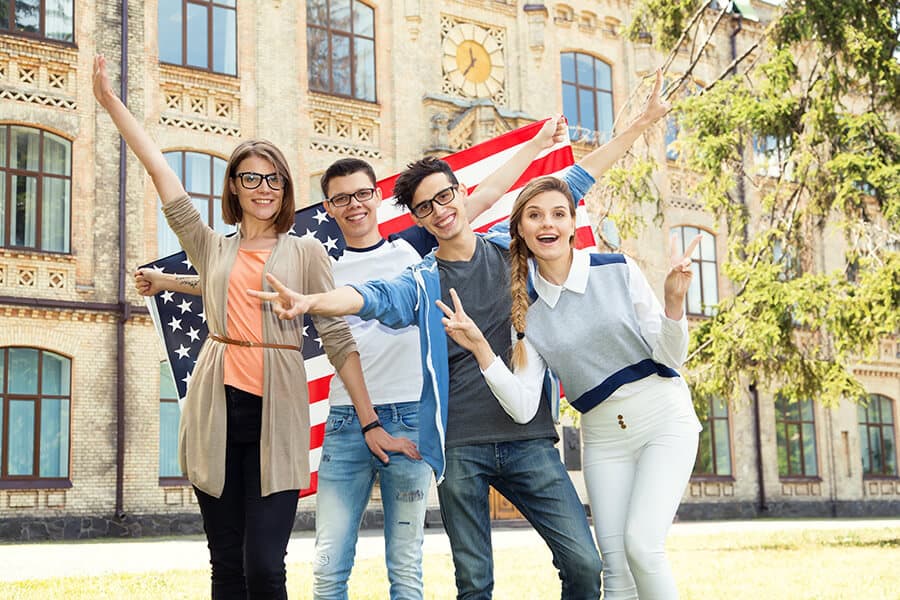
(795,431)
(703,295)
(201,34)
(169,417)
(714,450)
(34,414)
(340,43)
(202,176)
(50,19)
(876,436)
(587,97)
(35,189)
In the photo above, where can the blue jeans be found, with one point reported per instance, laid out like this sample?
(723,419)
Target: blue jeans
(346,475)
(530,474)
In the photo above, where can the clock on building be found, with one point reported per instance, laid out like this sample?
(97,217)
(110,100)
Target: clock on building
(473,61)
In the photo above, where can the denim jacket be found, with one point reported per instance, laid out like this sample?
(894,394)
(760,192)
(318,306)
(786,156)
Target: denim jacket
(410,300)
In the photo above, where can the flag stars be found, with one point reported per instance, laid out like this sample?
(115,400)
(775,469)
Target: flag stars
(309,234)
(182,351)
(321,216)
(167,296)
(187,378)
(330,243)
(187,262)
(194,334)
(185,306)
(175,324)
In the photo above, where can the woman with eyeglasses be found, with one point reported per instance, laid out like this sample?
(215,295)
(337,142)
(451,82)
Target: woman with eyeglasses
(244,433)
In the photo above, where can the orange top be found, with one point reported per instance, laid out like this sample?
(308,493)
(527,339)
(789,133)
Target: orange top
(243,314)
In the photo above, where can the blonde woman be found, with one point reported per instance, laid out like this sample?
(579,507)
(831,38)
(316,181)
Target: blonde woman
(597,324)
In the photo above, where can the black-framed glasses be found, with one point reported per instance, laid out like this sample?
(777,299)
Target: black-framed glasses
(426,207)
(361,195)
(250,180)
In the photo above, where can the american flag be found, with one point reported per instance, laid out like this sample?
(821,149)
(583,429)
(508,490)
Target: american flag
(180,321)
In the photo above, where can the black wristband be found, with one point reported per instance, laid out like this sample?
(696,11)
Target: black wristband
(373,425)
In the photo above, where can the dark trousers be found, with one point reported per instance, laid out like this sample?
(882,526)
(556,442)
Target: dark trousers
(247,534)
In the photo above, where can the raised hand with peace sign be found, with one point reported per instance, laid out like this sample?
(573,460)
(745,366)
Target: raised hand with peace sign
(678,279)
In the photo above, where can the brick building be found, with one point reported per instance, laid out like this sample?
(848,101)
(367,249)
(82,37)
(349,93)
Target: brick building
(87,424)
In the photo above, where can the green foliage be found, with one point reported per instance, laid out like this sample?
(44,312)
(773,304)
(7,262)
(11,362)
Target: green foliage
(819,100)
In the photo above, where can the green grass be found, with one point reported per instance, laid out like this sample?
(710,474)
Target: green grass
(794,565)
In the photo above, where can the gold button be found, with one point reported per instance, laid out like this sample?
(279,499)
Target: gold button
(620,417)
(623,425)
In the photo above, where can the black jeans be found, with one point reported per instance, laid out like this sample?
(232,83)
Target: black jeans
(247,534)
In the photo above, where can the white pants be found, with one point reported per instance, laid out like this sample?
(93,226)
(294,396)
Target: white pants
(635,478)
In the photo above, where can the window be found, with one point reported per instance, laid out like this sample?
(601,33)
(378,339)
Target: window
(199,33)
(203,176)
(771,155)
(688,89)
(714,451)
(587,97)
(795,430)
(34,414)
(340,38)
(169,417)
(35,189)
(703,295)
(876,436)
(50,19)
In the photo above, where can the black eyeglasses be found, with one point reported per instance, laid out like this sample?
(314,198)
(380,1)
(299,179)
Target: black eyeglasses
(445,196)
(363,195)
(251,180)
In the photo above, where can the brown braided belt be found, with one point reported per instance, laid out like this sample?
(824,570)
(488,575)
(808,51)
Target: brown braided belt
(246,344)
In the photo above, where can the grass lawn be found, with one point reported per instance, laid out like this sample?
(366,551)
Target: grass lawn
(793,565)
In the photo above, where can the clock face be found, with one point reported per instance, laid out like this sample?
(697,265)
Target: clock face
(473,61)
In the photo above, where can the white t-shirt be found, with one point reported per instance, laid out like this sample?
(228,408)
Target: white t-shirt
(391,358)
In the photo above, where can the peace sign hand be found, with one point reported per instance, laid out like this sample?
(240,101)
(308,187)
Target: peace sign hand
(286,303)
(678,279)
(463,330)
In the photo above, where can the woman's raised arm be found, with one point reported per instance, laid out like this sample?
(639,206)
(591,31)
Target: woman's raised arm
(167,184)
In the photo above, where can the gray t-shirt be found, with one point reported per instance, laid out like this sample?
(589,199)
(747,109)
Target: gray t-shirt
(474,416)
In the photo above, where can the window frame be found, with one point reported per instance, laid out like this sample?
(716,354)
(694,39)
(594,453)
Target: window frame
(211,198)
(707,310)
(34,481)
(881,425)
(7,172)
(598,136)
(352,36)
(708,424)
(782,423)
(210,37)
(41,34)
(167,480)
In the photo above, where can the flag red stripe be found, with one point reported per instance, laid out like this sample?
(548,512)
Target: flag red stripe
(313,485)
(318,388)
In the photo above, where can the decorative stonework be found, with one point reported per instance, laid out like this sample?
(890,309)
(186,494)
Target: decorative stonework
(498,38)
(38,73)
(801,488)
(345,126)
(504,7)
(881,488)
(200,101)
(37,274)
(711,489)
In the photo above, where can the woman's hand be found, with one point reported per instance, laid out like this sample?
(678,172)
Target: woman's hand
(678,280)
(147,282)
(655,107)
(102,89)
(463,330)
(551,133)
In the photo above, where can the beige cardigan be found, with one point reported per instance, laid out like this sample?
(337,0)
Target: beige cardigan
(303,265)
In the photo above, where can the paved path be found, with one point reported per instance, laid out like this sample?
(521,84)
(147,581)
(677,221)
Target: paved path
(98,557)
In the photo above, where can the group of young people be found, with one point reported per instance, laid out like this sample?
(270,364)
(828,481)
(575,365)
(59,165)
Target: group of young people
(441,367)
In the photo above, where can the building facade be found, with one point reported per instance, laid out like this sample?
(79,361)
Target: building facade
(88,418)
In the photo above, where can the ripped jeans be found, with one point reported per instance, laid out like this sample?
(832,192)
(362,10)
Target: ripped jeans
(346,476)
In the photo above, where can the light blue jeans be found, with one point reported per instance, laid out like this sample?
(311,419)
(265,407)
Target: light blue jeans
(346,476)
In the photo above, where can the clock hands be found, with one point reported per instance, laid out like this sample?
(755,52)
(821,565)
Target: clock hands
(471,62)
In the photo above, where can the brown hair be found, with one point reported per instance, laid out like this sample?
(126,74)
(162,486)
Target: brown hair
(519,255)
(406,185)
(344,167)
(231,206)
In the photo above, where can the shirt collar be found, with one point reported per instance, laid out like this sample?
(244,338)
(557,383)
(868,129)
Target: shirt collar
(575,282)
